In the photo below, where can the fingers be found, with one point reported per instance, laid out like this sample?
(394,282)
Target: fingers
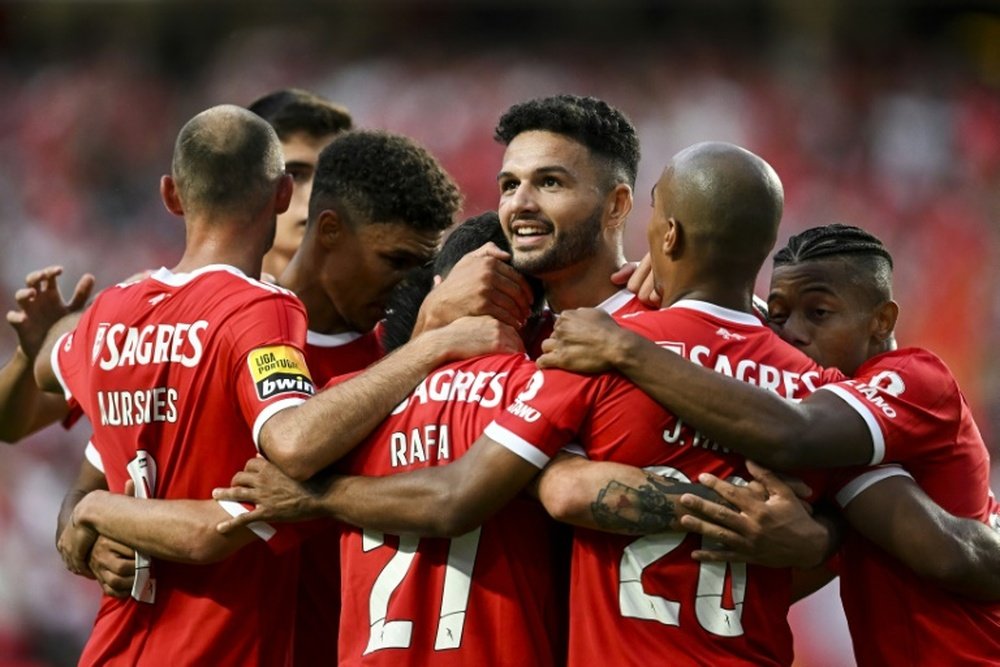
(490,249)
(43,278)
(778,485)
(240,521)
(723,536)
(25,296)
(624,273)
(714,512)
(720,556)
(81,293)
(742,497)
(129,488)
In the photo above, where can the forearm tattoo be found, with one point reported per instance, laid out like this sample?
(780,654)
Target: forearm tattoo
(648,509)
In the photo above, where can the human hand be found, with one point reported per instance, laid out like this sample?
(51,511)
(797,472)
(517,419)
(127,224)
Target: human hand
(76,542)
(277,496)
(41,306)
(585,340)
(640,281)
(481,283)
(469,337)
(113,565)
(768,523)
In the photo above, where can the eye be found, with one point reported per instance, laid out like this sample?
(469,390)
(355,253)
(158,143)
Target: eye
(550,182)
(508,185)
(820,313)
(300,175)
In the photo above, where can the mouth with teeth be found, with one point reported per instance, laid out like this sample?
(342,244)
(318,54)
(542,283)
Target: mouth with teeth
(528,234)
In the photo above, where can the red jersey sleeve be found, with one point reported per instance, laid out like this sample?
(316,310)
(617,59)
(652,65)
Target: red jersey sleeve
(545,416)
(270,371)
(909,401)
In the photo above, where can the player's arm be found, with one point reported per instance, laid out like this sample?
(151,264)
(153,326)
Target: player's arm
(443,501)
(612,497)
(111,563)
(819,431)
(307,438)
(962,555)
(23,408)
(176,530)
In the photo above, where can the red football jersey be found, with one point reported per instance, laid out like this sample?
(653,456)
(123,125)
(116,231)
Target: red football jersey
(485,598)
(318,614)
(641,601)
(917,417)
(177,373)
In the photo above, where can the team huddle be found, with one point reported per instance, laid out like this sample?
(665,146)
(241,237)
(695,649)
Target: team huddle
(326,437)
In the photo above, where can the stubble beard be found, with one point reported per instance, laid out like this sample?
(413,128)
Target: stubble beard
(571,246)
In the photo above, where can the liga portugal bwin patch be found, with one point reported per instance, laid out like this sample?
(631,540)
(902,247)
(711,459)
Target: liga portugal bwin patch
(279,369)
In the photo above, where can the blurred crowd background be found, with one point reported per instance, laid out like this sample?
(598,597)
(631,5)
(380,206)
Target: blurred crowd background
(880,114)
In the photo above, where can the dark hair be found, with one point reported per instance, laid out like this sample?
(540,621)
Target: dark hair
(384,177)
(603,129)
(295,110)
(845,241)
(226,159)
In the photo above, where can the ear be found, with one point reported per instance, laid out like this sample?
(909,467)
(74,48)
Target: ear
(672,237)
(171,199)
(884,320)
(283,194)
(330,228)
(619,206)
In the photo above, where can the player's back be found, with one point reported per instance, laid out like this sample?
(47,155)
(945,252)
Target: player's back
(636,601)
(919,419)
(176,372)
(484,598)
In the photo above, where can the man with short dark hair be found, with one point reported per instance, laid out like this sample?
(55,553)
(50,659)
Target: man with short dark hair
(305,123)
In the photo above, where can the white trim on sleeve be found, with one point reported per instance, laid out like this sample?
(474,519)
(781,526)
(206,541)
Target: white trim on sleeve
(867,479)
(54,360)
(517,444)
(576,449)
(269,412)
(261,529)
(878,440)
(93,456)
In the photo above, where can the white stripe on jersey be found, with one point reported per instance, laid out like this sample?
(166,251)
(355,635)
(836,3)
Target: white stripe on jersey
(517,444)
(866,480)
(878,440)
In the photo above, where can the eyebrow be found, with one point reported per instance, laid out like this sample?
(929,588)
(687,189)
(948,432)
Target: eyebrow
(551,169)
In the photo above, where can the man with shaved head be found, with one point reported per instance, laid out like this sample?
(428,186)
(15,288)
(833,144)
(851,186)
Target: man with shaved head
(635,601)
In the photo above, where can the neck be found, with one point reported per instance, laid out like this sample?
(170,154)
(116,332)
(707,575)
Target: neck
(582,285)
(222,241)
(302,277)
(736,296)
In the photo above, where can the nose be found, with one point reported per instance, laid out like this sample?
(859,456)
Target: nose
(795,331)
(517,202)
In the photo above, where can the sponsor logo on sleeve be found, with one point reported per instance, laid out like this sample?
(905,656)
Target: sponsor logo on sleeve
(279,369)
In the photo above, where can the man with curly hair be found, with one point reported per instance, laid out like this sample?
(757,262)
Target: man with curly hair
(565,185)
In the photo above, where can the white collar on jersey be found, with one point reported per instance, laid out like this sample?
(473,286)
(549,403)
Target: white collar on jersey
(615,302)
(165,275)
(719,312)
(317,339)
